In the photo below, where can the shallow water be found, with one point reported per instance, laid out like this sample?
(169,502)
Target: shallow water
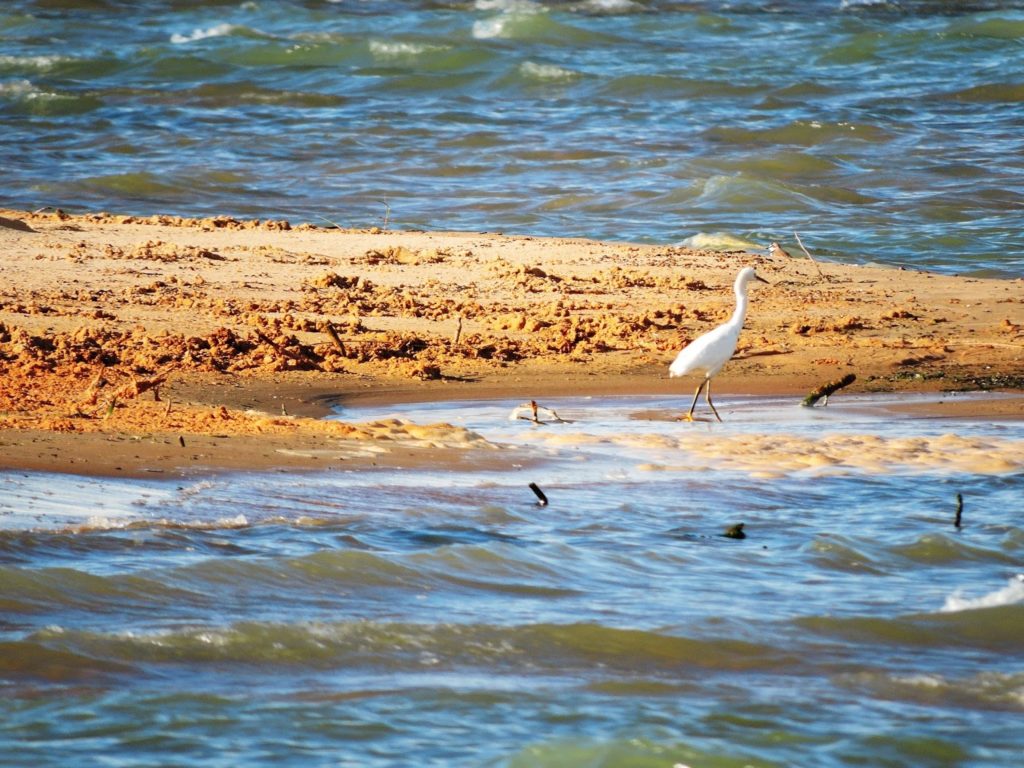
(889,132)
(442,617)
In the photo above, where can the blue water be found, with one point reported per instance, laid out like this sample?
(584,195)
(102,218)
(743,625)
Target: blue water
(881,131)
(439,616)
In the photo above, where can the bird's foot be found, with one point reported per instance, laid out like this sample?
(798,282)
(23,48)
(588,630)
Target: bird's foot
(685,417)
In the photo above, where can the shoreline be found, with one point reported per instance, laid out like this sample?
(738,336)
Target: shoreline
(123,338)
(166,455)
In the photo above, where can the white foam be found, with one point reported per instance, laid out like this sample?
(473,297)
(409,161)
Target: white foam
(1012,593)
(487,29)
(719,241)
(396,49)
(508,6)
(509,12)
(845,5)
(920,681)
(37,62)
(54,501)
(18,88)
(546,71)
(610,6)
(220,30)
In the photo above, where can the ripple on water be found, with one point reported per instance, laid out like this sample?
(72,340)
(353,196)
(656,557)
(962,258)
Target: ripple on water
(992,628)
(580,647)
(660,85)
(388,606)
(984,690)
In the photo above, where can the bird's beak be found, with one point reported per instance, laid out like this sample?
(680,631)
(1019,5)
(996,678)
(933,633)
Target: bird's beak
(758,277)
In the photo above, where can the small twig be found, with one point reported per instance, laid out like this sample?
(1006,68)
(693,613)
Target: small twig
(534,416)
(808,253)
(542,500)
(458,331)
(301,356)
(332,223)
(827,389)
(387,212)
(959,511)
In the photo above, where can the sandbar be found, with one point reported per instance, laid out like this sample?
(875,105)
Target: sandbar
(167,345)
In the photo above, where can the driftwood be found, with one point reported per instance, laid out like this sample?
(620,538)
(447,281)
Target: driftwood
(542,500)
(827,389)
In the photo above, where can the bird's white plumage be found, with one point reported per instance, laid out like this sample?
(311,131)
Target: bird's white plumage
(708,353)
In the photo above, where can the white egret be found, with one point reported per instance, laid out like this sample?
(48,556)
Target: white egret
(708,353)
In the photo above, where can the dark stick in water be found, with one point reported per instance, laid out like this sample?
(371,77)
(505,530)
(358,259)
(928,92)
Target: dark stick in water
(542,500)
(827,389)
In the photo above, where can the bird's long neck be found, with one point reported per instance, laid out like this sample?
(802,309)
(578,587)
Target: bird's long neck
(740,313)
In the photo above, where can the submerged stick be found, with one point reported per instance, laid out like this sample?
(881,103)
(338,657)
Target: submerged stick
(827,389)
(959,511)
(808,253)
(542,500)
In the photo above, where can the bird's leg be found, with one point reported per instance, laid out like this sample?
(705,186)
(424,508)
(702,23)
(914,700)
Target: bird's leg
(688,416)
(707,396)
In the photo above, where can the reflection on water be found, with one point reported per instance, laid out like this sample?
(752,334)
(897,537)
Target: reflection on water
(375,616)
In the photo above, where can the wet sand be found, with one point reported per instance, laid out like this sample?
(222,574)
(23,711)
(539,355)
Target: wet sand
(171,346)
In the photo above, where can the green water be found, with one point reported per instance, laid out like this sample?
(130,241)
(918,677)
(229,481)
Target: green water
(441,617)
(881,132)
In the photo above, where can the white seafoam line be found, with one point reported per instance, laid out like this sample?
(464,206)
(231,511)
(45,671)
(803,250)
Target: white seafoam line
(606,440)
